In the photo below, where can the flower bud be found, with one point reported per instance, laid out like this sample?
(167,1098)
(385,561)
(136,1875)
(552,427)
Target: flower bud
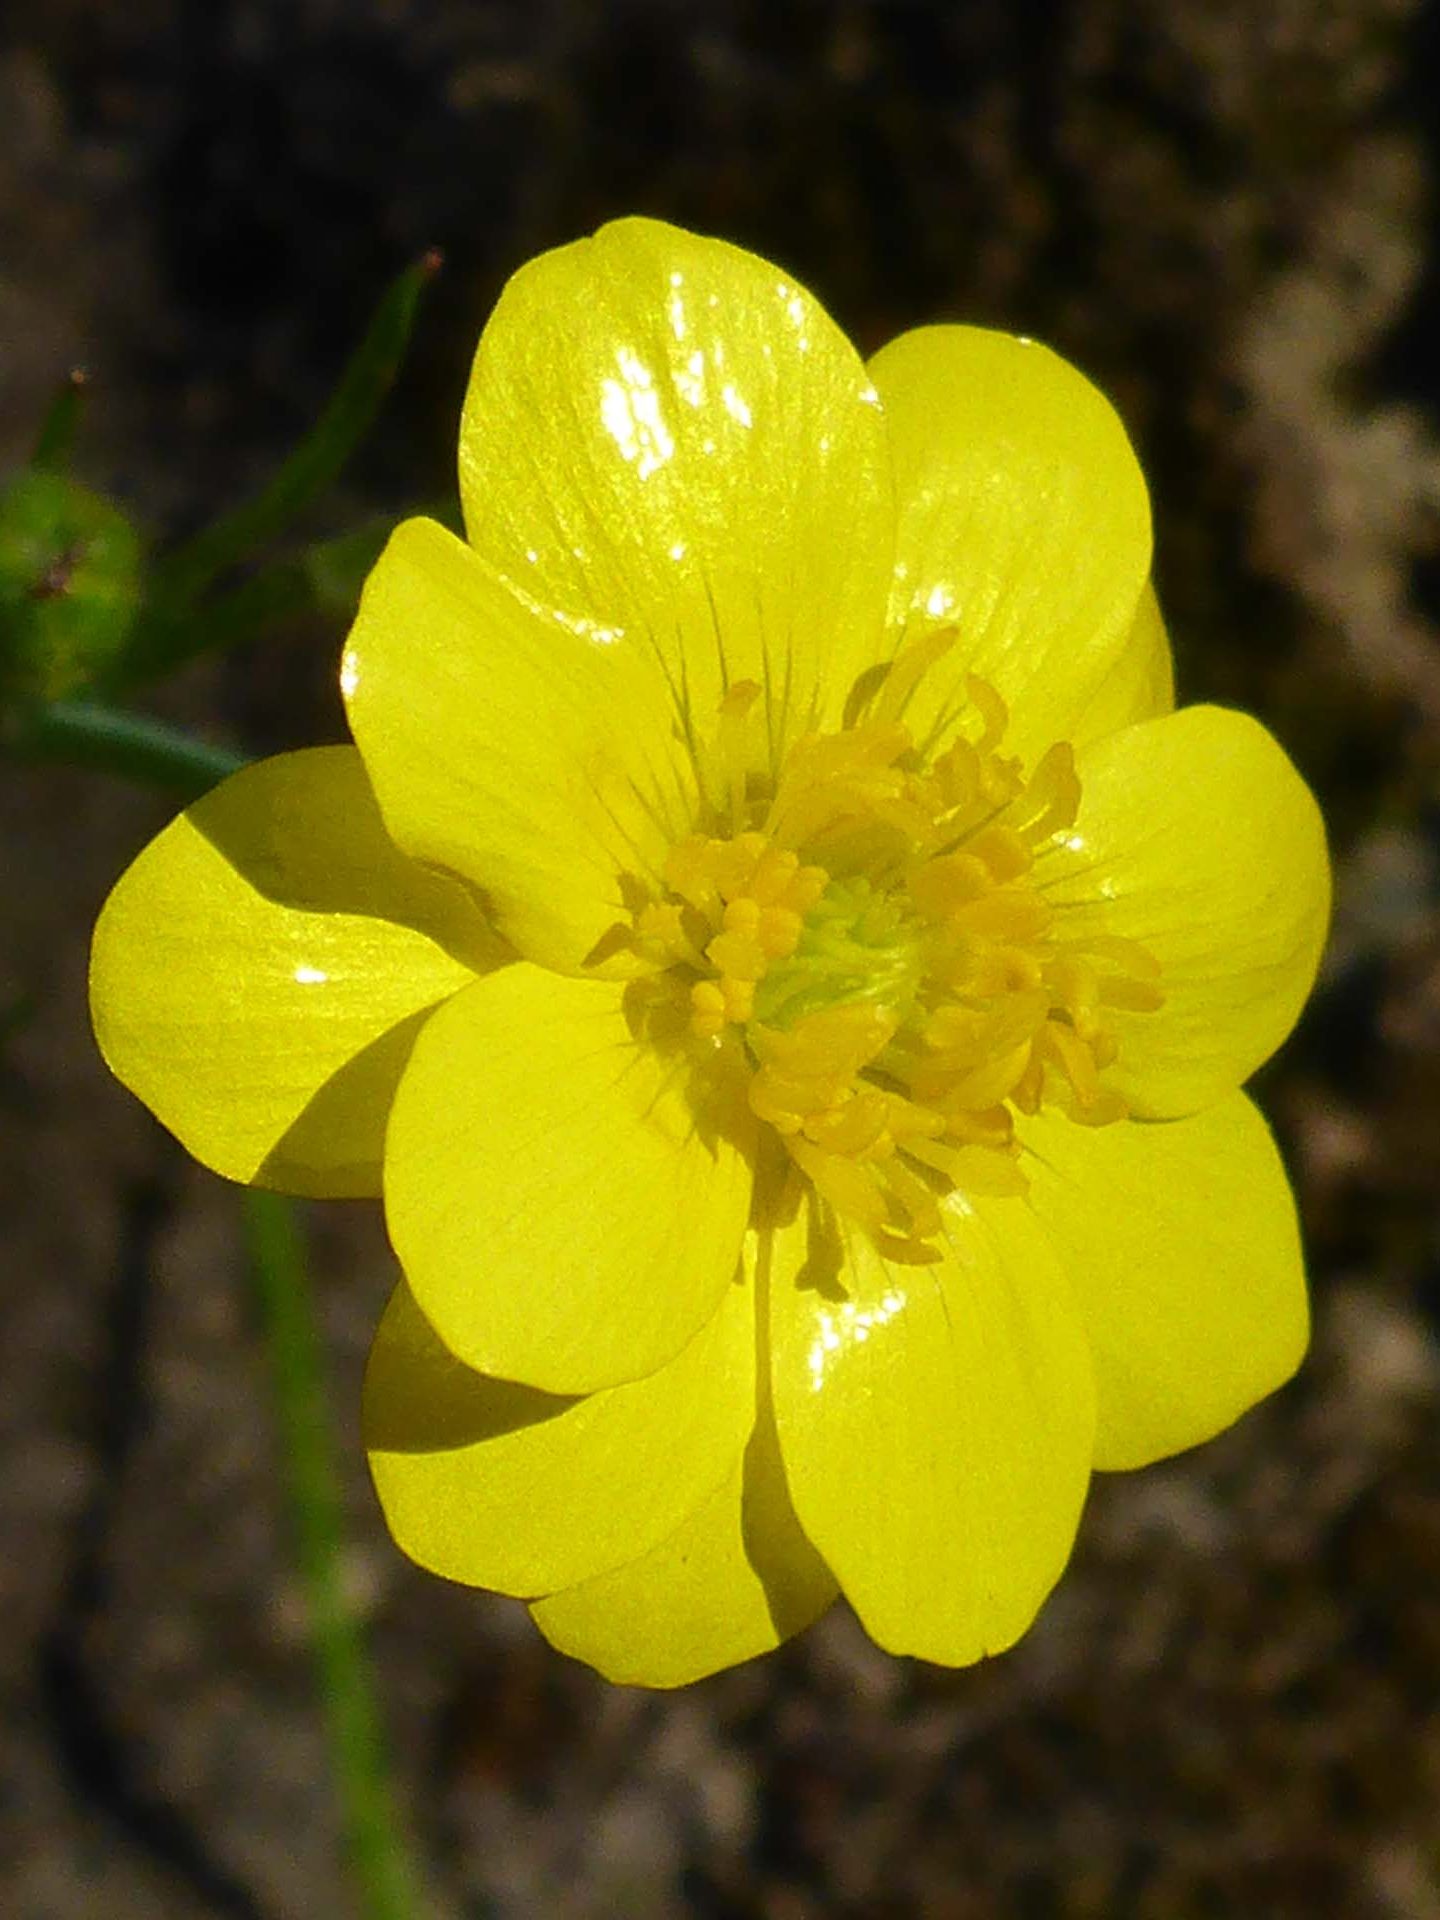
(69,586)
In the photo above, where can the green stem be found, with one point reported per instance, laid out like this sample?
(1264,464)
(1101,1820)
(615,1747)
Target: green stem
(157,755)
(382,1872)
(164,640)
(131,745)
(323,579)
(180,578)
(57,433)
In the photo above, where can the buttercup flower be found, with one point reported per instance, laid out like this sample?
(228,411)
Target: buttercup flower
(785,963)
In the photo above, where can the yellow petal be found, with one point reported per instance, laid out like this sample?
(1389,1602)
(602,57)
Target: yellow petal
(502,1486)
(1141,684)
(536,761)
(1023,521)
(667,437)
(567,1203)
(936,1423)
(1197,837)
(259,973)
(735,1581)
(1180,1241)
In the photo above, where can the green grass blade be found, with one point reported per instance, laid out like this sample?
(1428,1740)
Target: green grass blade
(383,1877)
(179,580)
(57,433)
(132,746)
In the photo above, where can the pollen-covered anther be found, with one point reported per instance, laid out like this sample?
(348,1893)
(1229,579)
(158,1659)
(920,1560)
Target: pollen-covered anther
(748,900)
(874,938)
(846,1133)
(661,938)
(717,1004)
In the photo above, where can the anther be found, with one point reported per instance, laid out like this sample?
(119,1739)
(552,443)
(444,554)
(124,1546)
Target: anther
(877,948)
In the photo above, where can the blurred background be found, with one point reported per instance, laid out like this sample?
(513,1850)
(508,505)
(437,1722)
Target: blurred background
(1226,214)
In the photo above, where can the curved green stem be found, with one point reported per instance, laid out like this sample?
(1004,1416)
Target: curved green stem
(57,433)
(81,733)
(132,745)
(182,576)
(383,1875)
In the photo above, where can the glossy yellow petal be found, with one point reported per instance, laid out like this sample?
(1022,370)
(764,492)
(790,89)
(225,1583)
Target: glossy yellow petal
(534,760)
(1197,838)
(1180,1241)
(259,973)
(666,437)
(1023,521)
(735,1581)
(567,1203)
(1141,684)
(936,1423)
(502,1486)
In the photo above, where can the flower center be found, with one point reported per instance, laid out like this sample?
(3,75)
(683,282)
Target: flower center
(857,945)
(865,934)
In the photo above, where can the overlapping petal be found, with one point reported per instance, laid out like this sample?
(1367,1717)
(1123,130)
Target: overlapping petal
(735,1581)
(936,1424)
(1180,1241)
(1197,838)
(538,762)
(566,1200)
(1141,684)
(259,973)
(502,1486)
(668,439)
(1024,521)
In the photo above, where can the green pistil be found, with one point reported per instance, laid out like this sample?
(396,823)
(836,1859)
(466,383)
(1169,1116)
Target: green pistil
(857,945)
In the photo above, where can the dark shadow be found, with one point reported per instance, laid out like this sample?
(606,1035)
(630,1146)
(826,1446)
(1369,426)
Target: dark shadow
(778,1196)
(715,1078)
(863,691)
(775,1542)
(320,1137)
(322,848)
(824,1260)
(420,1399)
(332,854)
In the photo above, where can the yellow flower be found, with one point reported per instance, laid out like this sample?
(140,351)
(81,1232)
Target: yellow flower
(784,961)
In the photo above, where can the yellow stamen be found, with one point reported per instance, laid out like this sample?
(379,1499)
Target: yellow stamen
(733,730)
(872,945)
(906,672)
